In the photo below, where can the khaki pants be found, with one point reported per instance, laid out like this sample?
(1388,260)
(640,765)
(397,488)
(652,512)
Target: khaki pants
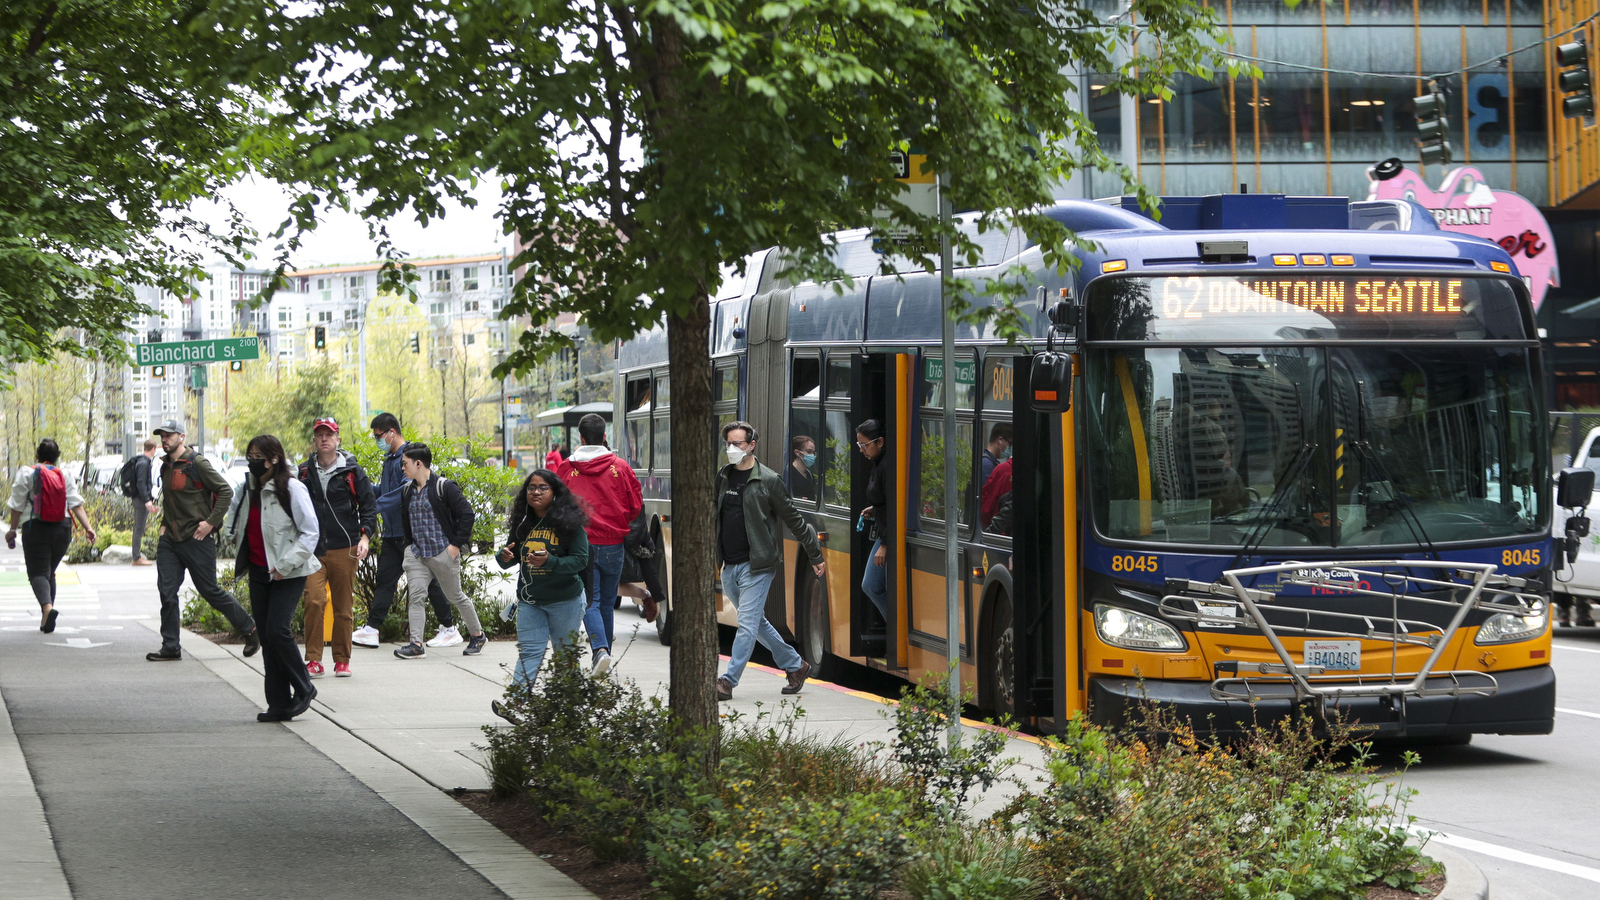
(419,573)
(339,573)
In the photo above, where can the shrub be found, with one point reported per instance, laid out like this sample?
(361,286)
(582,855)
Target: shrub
(772,759)
(943,772)
(847,847)
(597,757)
(1277,815)
(984,863)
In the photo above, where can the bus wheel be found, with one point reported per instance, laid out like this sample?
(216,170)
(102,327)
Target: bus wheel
(814,625)
(999,666)
(664,624)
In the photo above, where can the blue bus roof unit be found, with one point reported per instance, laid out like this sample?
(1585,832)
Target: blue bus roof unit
(1248,212)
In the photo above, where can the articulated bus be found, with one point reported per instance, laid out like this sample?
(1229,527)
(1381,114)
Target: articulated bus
(1304,467)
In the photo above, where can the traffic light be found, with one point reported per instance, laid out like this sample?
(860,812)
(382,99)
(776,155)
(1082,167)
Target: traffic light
(1433,129)
(158,371)
(416,342)
(1575,80)
(322,337)
(236,366)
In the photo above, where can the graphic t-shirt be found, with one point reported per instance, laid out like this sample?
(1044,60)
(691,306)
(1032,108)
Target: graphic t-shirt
(735,541)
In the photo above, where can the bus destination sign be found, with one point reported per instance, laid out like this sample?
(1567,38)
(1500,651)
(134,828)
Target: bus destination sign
(1202,297)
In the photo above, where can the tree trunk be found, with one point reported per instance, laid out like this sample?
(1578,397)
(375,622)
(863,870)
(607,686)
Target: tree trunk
(692,694)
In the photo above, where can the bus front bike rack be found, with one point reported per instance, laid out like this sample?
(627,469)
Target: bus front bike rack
(1458,586)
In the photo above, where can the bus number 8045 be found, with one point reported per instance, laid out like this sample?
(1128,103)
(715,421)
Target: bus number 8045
(1134,564)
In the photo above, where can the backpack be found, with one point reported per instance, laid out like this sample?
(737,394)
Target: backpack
(49,494)
(129,477)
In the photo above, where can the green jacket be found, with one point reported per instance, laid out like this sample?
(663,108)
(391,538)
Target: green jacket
(561,577)
(766,502)
(192,491)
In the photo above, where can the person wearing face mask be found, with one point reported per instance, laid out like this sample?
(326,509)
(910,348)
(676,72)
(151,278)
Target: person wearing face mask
(802,483)
(194,499)
(998,450)
(276,526)
(607,484)
(751,502)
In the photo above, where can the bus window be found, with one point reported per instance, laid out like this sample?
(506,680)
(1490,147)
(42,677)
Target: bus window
(932,453)
(806,383)
(839,377)
(661,428)
(637,442)
(663,390)
(638,395)
(932,381)
(994,485)
(833,456)
(805,427)
(725,386)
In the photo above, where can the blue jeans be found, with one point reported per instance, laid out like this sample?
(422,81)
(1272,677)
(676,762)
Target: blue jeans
(537,625)
(875,582)
(599,617)
(747,591)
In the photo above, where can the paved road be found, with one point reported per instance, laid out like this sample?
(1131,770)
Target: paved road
(158,782)
(1532,795)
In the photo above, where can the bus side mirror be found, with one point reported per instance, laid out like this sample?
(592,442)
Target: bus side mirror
(1574,487)
(1050,380)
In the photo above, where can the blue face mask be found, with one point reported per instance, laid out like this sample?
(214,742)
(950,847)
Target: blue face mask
(383,444)
(810,459)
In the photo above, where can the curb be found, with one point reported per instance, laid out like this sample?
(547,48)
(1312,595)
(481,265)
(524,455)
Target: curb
(1463,879)
(27,848)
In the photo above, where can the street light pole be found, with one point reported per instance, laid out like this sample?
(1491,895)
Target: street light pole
(361,352)
(953,581)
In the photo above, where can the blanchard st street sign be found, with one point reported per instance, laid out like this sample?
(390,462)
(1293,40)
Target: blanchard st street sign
(198,352)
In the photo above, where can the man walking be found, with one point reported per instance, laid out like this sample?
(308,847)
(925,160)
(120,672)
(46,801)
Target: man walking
(391,552)
(607,483)
(437,521)
(51,501)
(342,496)
(140,488)
(751,501)
(194,500)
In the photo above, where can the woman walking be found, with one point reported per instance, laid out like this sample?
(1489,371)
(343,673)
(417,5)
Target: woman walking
(276,525)
(549,544)
(875,580)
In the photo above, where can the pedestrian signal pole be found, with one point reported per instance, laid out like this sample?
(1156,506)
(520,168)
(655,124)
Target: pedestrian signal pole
(953,580)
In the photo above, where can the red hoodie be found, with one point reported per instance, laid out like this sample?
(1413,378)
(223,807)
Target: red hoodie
(607,484)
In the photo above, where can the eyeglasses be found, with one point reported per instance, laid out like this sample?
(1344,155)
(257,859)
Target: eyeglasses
(538,488)
(862,445)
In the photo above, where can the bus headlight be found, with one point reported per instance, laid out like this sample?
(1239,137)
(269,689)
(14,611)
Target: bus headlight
(1135,631)
(1503,628)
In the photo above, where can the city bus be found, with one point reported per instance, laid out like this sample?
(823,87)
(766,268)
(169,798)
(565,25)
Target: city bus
(1300,464)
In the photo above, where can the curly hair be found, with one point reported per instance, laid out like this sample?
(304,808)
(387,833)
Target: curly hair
(565,515)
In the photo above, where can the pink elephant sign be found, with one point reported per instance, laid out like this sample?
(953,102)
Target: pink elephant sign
(1466,204)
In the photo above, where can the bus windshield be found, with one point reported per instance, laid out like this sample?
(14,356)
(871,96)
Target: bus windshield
(1292,446)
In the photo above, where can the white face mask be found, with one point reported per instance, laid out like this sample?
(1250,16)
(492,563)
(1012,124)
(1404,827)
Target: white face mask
(735,455)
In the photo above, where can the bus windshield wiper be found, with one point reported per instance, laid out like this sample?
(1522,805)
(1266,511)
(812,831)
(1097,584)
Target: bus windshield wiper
(1258,532)
(1409,515)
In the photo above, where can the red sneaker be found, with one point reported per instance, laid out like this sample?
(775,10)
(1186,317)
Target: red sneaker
(314,669)
(341,670)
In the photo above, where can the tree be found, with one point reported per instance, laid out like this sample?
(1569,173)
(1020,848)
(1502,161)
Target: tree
(113,117)
(262,404)
(645,145)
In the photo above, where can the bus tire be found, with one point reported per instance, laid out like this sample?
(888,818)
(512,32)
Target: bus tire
(664,625)
(814,625)
(997,679)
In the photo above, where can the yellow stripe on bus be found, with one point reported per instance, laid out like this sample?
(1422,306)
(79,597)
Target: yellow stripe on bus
(1141,453)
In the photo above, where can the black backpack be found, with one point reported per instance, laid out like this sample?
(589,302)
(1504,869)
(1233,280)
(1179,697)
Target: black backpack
(129,477)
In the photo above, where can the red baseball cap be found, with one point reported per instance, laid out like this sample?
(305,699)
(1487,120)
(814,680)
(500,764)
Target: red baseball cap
(325,422)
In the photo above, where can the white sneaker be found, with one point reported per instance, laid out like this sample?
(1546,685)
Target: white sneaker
(365,636)
(447,637)
(602,664)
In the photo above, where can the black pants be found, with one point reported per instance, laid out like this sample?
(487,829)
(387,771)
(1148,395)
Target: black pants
(273,603)
(199,559)
(391,562)
(141,517)
(43,545)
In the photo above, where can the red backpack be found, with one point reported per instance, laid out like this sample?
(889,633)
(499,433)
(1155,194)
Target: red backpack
(49,494)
